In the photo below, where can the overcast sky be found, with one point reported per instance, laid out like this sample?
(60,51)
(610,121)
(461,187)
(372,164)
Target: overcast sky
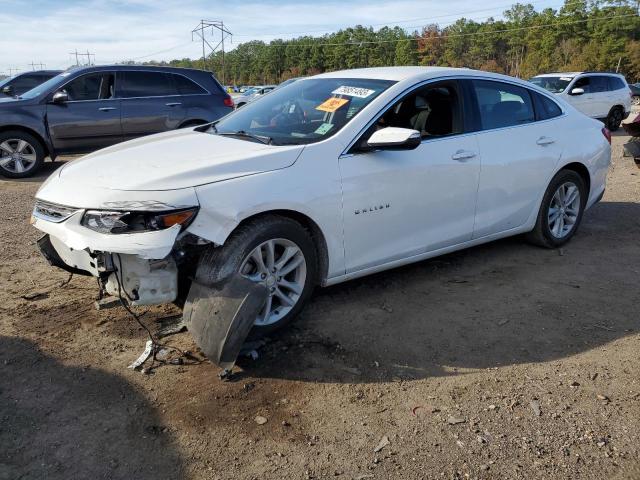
(47,30)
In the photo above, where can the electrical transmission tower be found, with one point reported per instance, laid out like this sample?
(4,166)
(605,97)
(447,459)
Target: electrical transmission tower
(88,55)
(41,66)
(201,30)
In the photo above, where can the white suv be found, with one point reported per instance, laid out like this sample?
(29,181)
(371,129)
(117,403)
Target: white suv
(605,96)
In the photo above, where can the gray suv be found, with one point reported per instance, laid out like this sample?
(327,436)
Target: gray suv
(89,108)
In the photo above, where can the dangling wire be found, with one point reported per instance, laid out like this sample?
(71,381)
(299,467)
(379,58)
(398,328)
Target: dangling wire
(156,344)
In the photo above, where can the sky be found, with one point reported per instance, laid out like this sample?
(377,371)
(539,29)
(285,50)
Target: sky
(46,31)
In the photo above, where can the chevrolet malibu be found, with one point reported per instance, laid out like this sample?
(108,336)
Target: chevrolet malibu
(330,178)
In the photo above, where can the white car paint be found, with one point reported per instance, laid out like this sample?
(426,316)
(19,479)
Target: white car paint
(375,210)
(595,104)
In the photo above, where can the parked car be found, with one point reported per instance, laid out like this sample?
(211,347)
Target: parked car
(253,94)
(23,82)
(244,88)
(335,177)
(288,82)
(90,108)
(635,93)
(605,96)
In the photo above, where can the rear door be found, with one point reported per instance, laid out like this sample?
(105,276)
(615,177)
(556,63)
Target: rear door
(151,103)
(518,152)
(90,119)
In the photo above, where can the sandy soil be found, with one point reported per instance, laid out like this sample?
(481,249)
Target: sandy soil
(503,361)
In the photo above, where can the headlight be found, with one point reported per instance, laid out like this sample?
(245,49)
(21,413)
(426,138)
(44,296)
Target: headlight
(128,222)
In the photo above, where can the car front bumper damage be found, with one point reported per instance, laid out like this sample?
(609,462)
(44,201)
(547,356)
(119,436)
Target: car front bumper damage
(138,266)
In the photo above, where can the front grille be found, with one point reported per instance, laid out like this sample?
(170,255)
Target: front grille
(52,212)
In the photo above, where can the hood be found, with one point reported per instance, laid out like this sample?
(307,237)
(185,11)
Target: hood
(175,160)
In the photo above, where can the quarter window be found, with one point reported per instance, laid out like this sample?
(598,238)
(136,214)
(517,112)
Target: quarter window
(615,83)
(545,107)
(147,84)
(186,86)
(502,104)
(96,86)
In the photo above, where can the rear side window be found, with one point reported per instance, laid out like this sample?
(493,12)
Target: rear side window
(186,86)
(599,84)
(615,83)
(147,84)
(502,104)
(545,107)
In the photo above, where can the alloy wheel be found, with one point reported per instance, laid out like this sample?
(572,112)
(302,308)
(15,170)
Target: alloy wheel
(280,265)
(17,155)
(564,210)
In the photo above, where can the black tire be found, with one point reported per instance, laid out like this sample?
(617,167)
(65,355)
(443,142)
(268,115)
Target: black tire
(541,235)
(10,137)
(614,118)
(218,263)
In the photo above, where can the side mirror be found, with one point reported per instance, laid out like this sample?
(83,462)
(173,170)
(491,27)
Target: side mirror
(576,91)
(60,97)
(394,138)
(8,90)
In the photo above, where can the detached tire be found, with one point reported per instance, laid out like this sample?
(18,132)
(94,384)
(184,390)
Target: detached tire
(275,251)
(21,154)
(561,210)
(614,119)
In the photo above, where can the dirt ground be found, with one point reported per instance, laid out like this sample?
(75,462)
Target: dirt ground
(502,361)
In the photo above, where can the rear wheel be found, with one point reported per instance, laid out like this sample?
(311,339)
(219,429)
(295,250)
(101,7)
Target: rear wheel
(614,118)
(561,210)
(21,154)
(275,251)
(635,100)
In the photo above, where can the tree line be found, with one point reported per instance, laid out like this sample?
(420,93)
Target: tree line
(581,35)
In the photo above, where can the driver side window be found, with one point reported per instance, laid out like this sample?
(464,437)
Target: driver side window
(433,110)
(96,86)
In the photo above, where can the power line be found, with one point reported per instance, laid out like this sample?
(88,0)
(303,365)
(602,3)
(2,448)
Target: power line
(416,19)
(453,35)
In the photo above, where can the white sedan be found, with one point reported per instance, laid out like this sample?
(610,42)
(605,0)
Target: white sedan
(330,178)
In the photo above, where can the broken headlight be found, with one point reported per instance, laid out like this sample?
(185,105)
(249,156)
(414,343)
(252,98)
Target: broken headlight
(104,221)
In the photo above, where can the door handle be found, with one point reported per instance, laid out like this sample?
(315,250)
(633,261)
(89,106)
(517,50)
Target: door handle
(545,141)
(106,109)
(173,104)
(462,155)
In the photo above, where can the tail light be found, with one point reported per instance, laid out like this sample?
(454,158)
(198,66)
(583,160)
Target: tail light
(228,101)
(607,134)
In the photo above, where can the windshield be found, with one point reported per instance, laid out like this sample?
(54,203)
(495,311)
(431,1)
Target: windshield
(552,84)
(303,112)
(46,86)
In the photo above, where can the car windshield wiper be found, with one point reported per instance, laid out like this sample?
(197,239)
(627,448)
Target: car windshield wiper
(241,133)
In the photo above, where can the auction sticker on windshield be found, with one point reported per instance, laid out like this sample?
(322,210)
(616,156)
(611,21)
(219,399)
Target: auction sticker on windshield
(324,128)
(353,91)
(332,104)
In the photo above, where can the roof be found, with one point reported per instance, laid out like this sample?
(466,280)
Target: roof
(392,73)
(575,74)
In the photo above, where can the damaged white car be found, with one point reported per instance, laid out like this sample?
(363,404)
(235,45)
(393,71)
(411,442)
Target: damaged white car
(330,178)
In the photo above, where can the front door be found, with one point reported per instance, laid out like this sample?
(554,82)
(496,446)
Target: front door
(90,119)
(398,204)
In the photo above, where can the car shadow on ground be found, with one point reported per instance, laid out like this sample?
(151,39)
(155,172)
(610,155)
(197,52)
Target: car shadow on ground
(39,439)
(47,169)
(499,304)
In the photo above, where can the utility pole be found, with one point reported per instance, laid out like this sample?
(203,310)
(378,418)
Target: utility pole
(201,30)
(40,65)
(11,70)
